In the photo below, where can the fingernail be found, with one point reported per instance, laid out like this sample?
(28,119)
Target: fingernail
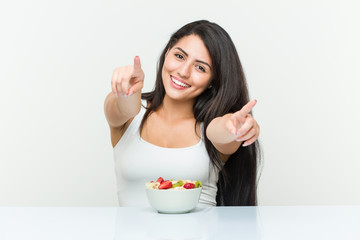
(125,96)
(245,144)
(130,93)
(116,95)
(233,131)
(238,140)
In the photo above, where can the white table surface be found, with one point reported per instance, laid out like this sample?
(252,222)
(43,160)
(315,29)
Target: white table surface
(300,222)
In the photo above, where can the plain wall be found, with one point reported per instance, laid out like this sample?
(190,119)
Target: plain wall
(301,60)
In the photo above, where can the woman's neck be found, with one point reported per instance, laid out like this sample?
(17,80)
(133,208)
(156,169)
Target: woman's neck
(176,110)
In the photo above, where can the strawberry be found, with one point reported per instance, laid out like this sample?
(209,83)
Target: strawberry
(160,180)
(165,184)
(189,185)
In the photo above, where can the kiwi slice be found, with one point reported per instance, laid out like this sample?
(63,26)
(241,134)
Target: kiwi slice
(198,184)
(178,184)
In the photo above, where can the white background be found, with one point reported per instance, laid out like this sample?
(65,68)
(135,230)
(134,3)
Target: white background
(301,59)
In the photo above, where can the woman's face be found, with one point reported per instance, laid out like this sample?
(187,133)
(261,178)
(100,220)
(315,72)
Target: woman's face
(187,69)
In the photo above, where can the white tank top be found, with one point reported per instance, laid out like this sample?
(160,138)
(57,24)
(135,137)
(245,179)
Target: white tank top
(138,162)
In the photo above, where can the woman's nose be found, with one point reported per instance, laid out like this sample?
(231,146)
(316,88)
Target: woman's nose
(185,70)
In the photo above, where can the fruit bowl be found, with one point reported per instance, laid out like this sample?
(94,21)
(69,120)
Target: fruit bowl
(172,200)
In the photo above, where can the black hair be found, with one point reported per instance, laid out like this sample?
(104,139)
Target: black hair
(237,184)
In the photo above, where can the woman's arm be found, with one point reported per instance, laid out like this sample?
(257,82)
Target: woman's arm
(124,102)
(118,110)
(228,132)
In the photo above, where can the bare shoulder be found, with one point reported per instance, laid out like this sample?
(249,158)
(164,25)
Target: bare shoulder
(117,132)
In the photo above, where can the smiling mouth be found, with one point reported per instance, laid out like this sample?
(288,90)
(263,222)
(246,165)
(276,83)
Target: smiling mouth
(179,83)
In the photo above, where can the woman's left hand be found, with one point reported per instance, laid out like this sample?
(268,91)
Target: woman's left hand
(243,126)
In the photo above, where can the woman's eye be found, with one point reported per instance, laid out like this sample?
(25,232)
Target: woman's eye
(201,68)
(179,56)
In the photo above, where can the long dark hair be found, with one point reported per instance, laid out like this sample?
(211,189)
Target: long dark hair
(228,93)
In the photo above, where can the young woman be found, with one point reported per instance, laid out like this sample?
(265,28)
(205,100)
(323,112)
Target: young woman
(196,124)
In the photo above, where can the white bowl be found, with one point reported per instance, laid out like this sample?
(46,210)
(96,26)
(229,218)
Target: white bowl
(173,201)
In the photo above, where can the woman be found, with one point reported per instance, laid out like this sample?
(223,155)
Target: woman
(196,124)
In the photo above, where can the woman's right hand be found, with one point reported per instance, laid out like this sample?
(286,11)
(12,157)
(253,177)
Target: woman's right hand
(128,80)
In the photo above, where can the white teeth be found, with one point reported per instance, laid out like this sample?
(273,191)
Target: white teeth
(179,83)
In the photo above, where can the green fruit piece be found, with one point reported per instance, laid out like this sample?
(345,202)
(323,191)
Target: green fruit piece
(178,184)
(198,184)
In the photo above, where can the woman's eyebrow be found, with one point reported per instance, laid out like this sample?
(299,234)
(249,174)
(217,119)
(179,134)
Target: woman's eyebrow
(186,54)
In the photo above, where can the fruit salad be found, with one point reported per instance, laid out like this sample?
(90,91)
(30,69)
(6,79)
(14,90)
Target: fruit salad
(173,184)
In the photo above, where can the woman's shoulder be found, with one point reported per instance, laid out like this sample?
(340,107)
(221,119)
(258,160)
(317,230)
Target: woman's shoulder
(117,132)
(144,103)
(132,124)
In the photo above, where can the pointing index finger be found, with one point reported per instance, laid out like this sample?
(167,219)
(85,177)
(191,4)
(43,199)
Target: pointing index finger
(137,64)
(245,110)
